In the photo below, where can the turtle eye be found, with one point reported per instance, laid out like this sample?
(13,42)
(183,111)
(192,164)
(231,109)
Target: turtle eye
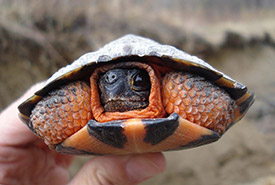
(141,81)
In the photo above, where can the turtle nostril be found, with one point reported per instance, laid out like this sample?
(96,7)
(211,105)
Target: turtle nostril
(111,77)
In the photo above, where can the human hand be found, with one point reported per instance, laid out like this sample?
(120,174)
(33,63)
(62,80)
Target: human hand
(25,159)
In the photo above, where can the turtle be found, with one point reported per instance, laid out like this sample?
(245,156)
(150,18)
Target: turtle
(134,95)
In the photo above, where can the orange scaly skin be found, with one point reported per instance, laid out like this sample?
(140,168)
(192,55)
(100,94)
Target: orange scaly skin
(198,101)
(62,113)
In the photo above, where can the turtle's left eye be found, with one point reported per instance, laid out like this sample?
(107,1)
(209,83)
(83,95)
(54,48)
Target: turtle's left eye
(141,81)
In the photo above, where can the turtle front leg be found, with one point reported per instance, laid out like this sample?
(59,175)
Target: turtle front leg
(62,113)
(198,100)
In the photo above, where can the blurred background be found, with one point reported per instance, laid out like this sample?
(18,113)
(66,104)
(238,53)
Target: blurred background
(236,37)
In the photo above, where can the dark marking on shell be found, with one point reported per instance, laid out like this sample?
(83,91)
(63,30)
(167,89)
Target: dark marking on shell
(235,93)
(243,107)
(207,73)
(159,129)
(110,133)
(205,139)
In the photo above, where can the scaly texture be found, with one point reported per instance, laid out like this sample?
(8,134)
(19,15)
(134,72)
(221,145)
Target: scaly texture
(198,101)
(63,112)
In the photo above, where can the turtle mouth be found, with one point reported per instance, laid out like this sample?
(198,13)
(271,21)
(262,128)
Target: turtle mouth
(123,106)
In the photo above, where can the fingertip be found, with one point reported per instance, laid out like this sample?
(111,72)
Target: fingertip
(125,169)
(159,160)
(143,166)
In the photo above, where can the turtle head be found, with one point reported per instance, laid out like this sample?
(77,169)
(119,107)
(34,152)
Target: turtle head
(124,89)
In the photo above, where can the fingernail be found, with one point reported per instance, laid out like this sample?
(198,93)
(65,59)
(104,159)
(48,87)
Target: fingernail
(142,167)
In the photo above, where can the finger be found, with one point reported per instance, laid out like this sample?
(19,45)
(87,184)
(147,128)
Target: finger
(13,131)
(123,170)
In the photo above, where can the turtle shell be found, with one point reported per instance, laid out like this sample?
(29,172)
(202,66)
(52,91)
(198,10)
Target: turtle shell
(137,48)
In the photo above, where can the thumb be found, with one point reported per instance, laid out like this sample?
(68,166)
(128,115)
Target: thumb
(122,170)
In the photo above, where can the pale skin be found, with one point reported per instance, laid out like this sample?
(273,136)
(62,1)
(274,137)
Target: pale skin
(24,159)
